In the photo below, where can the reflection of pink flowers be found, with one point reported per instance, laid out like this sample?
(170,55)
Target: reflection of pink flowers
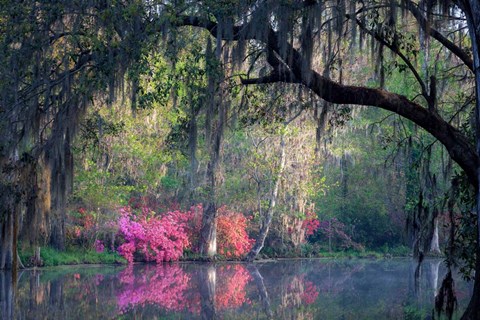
(163,286)
(170,288)
(231,289)
(310,293)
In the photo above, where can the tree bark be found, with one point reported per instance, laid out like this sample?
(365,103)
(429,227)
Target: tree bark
(434,244)
(208,232)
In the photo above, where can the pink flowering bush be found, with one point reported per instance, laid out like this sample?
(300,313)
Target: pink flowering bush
(164,237)
(154,237)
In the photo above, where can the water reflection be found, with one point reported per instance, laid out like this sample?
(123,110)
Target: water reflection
(296,289)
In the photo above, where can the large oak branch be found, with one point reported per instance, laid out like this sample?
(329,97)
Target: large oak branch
(457,144)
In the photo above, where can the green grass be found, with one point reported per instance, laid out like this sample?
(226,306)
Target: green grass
(72,256)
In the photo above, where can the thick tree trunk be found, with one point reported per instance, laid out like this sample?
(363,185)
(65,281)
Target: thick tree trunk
(218,106)
(208,242)
(267,220)
(208,233)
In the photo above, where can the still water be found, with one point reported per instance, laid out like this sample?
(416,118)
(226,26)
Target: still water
(287,289)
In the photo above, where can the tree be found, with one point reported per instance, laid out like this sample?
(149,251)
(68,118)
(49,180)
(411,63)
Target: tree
(273,26)
(54,61)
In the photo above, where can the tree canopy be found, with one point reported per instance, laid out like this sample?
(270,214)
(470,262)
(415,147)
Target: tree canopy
(213,66)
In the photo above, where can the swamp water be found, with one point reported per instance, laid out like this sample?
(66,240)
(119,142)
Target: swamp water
(286,289)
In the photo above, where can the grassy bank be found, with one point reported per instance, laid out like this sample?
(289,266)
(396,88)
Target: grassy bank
(75,256)
(72,256)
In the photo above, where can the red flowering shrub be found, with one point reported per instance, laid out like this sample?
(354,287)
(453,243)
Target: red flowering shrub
(311,223)
(310,293)
(232,237)
(159,238)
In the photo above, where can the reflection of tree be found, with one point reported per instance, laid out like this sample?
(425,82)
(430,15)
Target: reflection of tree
(299,292)
(262,291)
(308,289)
(208,281)
(6,295)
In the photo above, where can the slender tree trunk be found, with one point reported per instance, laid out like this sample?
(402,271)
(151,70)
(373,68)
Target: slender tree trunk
(6,254)
(434,268)
(192,146)
(434,245)
(267,220)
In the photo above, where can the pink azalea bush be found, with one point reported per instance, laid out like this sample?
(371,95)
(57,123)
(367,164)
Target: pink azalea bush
(164,237)
(154,237)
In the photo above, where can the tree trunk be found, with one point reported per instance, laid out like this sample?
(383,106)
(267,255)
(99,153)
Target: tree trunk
(208,242)
(434,244)
(6,252)
(262,235)
(217,107)
(192,146)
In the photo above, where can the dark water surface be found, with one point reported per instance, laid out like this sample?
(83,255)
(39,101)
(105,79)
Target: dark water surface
(287,289)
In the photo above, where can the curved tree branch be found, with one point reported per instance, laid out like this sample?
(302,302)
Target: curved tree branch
(457,145)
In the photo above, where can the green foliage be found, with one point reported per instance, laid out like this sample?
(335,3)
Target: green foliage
(72,256)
